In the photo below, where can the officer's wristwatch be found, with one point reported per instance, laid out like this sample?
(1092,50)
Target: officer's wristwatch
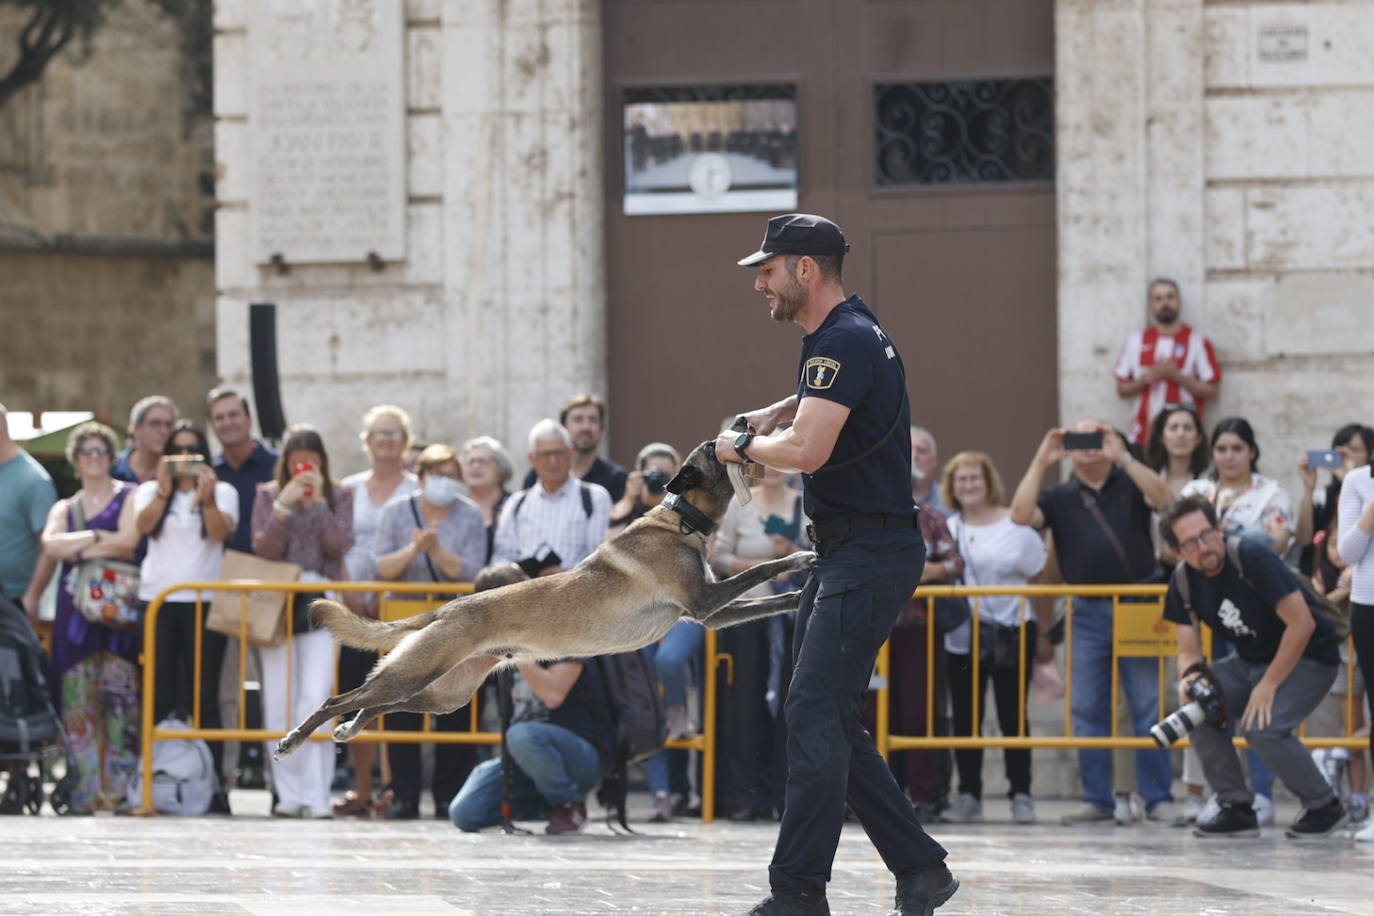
(741,443)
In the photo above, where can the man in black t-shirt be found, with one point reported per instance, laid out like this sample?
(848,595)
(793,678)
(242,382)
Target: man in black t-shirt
(554,743)
(1285,661)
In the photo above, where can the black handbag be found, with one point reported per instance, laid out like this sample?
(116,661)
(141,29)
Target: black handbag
(998,646)
(951,613)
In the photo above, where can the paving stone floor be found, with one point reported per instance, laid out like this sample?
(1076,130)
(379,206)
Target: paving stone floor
(250,864)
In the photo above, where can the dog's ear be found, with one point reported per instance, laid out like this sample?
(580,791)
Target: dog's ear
(685,479)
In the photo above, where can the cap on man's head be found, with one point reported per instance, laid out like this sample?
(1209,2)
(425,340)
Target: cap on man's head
(798,233)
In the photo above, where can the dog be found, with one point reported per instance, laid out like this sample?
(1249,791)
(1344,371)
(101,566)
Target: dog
(626,594)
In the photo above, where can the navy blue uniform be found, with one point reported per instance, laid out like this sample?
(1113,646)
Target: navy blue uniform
(859,583)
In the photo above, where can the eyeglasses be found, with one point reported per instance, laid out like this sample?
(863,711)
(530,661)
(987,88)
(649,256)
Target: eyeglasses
(157,424)
(183,450)
(559,455)
(386,434)
(1193,544)
(478,461)
(94,451)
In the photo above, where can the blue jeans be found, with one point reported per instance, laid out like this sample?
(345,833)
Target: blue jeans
(666,771)
(553,766)
(1092,709)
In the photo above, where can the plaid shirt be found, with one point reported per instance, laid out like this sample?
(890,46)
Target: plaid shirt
(535,517)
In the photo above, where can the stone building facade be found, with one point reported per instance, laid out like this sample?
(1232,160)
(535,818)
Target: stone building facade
(1222,144)
(106,226)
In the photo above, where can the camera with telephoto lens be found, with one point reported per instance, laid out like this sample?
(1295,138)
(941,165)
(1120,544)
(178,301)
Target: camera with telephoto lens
(1209,705)
(655,480)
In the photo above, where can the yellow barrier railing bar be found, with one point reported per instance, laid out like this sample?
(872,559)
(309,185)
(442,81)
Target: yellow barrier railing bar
(887,742)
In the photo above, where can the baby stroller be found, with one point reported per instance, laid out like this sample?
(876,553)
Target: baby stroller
(31,733)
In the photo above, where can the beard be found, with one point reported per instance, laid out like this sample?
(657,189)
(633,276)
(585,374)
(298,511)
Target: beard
(1166,315)
(788,301)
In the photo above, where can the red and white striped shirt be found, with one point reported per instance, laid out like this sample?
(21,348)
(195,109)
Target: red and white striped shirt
(1190,350)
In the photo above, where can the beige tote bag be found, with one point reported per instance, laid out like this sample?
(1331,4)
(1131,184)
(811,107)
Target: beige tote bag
(265,610)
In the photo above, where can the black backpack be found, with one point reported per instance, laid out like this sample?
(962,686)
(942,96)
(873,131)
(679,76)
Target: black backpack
(1321,606)
(637,728)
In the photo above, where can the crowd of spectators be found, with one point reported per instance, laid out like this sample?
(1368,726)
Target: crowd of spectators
(443,513)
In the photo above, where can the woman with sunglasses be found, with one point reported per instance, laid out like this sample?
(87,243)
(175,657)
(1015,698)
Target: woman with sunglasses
(96,666)
(186,513)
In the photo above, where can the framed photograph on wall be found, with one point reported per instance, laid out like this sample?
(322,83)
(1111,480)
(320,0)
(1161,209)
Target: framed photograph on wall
(710,149)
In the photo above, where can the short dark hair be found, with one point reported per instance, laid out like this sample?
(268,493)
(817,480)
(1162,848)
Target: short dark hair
(582,400)
(1354,431)
(219,394)
(1177,510)
(496,575)
(1165,281)
(831,266)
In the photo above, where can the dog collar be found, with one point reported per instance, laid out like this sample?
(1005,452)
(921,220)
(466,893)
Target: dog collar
(693,519)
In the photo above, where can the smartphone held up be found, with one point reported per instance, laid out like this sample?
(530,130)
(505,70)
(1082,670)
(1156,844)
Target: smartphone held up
(300,467)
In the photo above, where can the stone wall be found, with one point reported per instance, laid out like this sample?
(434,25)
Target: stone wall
(106,270)
(97,332)
(496,312)
(1221,144)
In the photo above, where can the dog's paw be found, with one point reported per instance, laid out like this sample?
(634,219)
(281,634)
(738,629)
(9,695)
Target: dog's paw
(803,559)
(284,748)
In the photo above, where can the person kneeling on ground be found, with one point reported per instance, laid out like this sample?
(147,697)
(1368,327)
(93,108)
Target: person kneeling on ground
(560,721)
(1285,660)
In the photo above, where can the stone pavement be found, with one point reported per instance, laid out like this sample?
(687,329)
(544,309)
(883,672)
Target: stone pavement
(250,864)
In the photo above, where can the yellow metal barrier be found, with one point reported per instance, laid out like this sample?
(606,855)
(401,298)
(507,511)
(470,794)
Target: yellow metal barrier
(1139,631)
(391,608)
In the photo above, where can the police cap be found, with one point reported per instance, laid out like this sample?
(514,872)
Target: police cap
(798,233)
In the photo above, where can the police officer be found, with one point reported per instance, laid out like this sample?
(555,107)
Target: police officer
(850,437)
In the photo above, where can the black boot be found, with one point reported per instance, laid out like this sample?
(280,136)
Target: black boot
(799,904)
(920,892)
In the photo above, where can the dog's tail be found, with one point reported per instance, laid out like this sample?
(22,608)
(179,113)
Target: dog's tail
(362,632)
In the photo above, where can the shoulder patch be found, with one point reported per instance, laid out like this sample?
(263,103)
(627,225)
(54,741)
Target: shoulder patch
(820,372)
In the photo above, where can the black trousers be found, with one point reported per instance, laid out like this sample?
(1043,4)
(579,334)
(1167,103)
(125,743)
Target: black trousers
(452,762)
(856,588)
(1005,688)
(1362,630)
(174,679)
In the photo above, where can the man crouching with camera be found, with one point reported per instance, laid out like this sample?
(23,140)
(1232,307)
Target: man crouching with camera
(1285,660)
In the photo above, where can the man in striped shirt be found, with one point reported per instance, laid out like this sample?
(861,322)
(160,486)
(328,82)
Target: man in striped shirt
(559,513)
(1167,363)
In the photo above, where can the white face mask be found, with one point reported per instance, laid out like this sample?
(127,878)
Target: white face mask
(440,490)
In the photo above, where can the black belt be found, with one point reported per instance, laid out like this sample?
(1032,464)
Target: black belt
(823,529)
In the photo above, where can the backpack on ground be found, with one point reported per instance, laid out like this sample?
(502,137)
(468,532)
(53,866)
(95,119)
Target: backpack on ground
(1321,606)
(184,778)
(637,727)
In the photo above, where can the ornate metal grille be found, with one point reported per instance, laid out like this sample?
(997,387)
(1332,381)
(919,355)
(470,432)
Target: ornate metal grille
(974,132)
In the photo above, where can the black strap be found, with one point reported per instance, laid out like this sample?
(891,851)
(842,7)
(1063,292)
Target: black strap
(415,511)
(1090,504)
(582,488)
(692,518)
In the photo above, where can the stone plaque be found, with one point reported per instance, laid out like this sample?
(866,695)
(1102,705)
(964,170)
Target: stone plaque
(1283,43)
(326,113)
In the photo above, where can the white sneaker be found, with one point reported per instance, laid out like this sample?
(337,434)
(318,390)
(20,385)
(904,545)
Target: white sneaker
(1123,811)
(310,812)
(284,809)
(963,809)
(1332,761)
(1192,807)
(1022,809)
(1366,833)
(1166,812)
(1264,810)
(1209,811)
